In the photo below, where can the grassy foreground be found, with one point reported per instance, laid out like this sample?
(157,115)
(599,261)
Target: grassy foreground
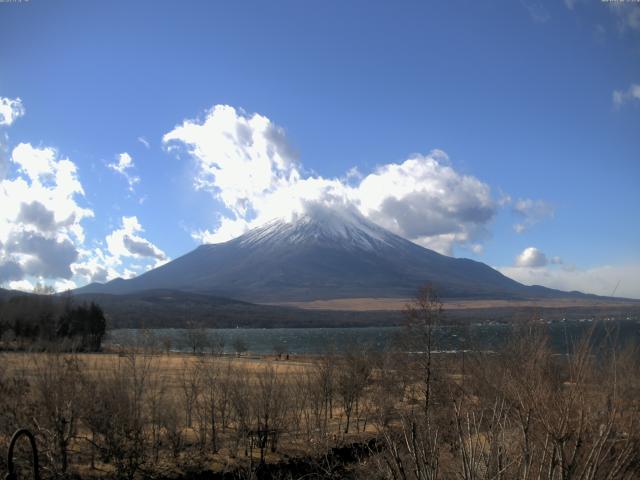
(522,413)
(143,413)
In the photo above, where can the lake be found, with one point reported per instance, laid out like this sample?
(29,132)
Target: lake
(485,337)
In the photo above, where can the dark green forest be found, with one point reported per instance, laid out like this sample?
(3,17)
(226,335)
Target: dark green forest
(40,321)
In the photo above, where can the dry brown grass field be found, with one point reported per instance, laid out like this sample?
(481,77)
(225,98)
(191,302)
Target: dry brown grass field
(397,304)
(524,412)
(171,365)
(178,386)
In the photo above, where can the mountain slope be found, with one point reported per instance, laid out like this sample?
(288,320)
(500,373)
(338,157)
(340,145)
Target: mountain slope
(322,254)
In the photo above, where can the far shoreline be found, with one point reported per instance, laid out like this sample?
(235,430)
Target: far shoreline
(373,304)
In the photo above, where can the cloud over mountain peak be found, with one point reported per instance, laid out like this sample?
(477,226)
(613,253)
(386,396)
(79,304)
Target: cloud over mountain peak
(249,166)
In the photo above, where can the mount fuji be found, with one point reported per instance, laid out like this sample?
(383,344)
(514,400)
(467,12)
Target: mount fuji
(322,254)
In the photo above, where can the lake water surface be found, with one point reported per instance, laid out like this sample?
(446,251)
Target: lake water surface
(485,337)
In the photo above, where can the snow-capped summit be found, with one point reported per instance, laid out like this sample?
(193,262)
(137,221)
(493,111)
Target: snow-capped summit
(324,253)
(343,228)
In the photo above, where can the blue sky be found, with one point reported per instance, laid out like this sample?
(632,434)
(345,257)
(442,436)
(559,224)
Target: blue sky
(516,123)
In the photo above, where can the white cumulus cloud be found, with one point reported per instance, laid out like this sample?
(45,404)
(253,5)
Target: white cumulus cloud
(240,157)
(10,110)
(250,167)
(94,265)
(623,280)
(41,233)
(531,257)
(127,253)
(40,218)
(426,200)
(24,285)
(42,237)
(127,242)
(534,267)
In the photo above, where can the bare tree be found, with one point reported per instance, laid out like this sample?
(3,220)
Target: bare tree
(413,447)
(352,379)
(269,408)
(167,342)
(56,395)
(196,338)
(422,318)
(225,381)
(240,395)
(239,345)
(115,414)
(172,426)
(216,343)
(190,384)
(280,348)
(212,395)
(156,393)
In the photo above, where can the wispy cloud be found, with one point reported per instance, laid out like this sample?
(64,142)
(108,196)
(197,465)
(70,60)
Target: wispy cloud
(123,166)
(144,142)
(570,4)
(631,94)
(627,14)
(531,212)
(536,10)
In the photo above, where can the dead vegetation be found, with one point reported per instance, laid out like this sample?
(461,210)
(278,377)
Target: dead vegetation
(522,413)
